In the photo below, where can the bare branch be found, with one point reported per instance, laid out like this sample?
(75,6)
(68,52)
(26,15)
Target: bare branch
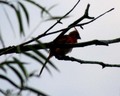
(78,20)
(21,47)
(63,17)
(67,58)
(82,24)
(14,49)
(44,34)
(75,22)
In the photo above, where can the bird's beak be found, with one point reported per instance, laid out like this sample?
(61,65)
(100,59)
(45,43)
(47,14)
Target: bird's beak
(78,37)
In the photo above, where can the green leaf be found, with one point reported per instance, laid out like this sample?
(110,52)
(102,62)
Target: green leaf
(3,92)
(9,80)
(33,73)
(7,3)
(42,45)
(9,62)
(10,5)
(25,11)
(2,68)
(33,57)
(18,14)
(39,6)
(24,88)
(36,59)
(35,91)
(18,75)
(43,57)
(7,15)
(53,6)
(1,40)
(22,67)
(56,18)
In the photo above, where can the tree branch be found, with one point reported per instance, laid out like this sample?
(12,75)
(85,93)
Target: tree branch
(67,58)
(66,29)
(20,49)
(44,34)
(82,24)
(85,16)
(23,88)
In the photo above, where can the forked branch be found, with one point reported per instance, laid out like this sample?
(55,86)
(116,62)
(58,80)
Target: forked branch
(19,49)
(67,58)
(22,47)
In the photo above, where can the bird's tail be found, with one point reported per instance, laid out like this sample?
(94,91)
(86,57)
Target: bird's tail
(44,64)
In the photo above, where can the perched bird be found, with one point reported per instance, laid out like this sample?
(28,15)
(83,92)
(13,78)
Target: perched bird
(71,38)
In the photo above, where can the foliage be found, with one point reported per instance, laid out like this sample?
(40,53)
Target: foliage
(20,70)
(17,66)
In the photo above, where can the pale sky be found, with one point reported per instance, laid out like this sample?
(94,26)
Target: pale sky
(75,79)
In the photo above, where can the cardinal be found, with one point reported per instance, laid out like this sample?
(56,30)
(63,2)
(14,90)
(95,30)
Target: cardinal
(71,38)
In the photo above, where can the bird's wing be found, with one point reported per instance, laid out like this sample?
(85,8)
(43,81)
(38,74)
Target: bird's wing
(62,40)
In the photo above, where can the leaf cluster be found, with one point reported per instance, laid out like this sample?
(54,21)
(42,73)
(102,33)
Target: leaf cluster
(21,72)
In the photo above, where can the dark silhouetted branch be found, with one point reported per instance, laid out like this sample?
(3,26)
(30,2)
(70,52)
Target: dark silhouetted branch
(24,88)
(82,24)
(67,58)
(20,49)
(85,16)
(58,21)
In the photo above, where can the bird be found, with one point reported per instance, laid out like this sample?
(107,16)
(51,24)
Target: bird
(71,38)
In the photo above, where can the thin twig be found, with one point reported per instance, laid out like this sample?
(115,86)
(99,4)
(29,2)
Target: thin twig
(42,35)
(67,58)
(63,17)
(82,24)
(14,49)
(75,23)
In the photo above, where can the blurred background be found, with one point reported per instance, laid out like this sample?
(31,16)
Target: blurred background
(74,79)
